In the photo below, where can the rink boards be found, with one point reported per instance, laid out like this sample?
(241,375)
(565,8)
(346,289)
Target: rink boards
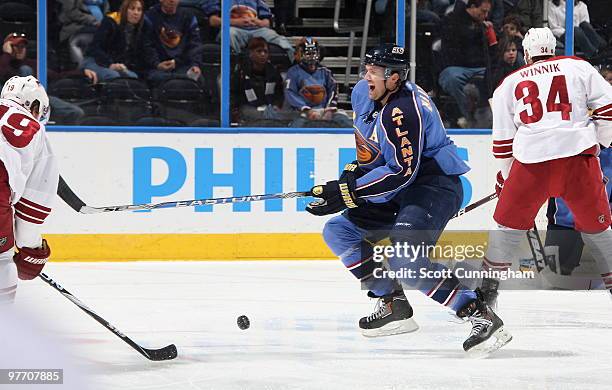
(107,169)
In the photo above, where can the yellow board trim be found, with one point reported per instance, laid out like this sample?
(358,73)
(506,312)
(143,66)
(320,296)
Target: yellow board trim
(130,247)
(243,246)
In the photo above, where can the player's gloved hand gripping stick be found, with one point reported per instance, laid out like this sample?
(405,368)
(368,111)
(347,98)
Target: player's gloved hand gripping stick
(336,195)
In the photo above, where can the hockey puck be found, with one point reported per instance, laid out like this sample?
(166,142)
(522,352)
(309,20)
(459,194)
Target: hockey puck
(243,322)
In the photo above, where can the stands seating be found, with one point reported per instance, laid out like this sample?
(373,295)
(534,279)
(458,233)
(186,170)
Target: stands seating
(181,98)
(73,89)
(126,99)
(97,120)
(77,90)
(158,121)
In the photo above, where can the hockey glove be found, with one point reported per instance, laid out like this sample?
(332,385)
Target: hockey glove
(335,195)
(499,185)
(352,168)
(30,261)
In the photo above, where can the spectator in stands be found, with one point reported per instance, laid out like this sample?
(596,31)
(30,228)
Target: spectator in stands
(310,88)
(468,44)
(14,62)
(79,20)
(507,61)
(495,14)
(512,32)
(586,38)
(530,13)
(117,48)
(257,87)
(248,19)
(172,46)
(512,27)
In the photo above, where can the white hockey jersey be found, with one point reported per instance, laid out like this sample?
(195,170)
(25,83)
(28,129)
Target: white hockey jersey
(543,112)
(32,170)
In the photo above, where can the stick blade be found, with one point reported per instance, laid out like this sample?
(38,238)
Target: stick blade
(90,210)
(168,352)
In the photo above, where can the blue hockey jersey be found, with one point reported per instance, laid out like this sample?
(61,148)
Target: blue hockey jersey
(400,141)
(304,90)
(558,212)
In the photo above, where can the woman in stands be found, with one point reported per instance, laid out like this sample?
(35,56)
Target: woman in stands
(117,48)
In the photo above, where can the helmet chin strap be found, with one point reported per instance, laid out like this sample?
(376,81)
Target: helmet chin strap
(387,93)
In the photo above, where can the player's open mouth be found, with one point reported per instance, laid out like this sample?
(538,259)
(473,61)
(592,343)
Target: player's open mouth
(371,86)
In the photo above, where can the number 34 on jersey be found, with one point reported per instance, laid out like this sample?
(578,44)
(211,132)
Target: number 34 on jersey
(541,111)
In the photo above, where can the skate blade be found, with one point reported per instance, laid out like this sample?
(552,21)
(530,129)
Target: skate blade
(408,325)
(484,349)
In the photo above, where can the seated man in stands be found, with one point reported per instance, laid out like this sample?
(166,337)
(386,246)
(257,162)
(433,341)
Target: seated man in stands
(13,59)
(467,40)
(248,19)
(173,46)
(311,89)
(257,87)
(15,62)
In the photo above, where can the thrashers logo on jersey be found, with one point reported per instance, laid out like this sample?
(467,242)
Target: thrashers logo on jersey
(241,11)
(366,152)
(313,94)
(170,37)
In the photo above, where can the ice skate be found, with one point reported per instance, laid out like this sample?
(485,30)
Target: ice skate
(392,315)
(488,333)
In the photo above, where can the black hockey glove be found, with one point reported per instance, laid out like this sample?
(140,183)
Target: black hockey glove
(335,195)
(353,169)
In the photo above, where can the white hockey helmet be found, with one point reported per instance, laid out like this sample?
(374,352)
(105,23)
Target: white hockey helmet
(26,91)
(539,42)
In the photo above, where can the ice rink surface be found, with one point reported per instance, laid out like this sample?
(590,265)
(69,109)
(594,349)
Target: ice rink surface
(304,333)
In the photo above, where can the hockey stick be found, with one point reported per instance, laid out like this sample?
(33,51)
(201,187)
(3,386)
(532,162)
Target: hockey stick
(78,205)
(72,200)
(166,353)
(478,203)
(537,248)
(68,196)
